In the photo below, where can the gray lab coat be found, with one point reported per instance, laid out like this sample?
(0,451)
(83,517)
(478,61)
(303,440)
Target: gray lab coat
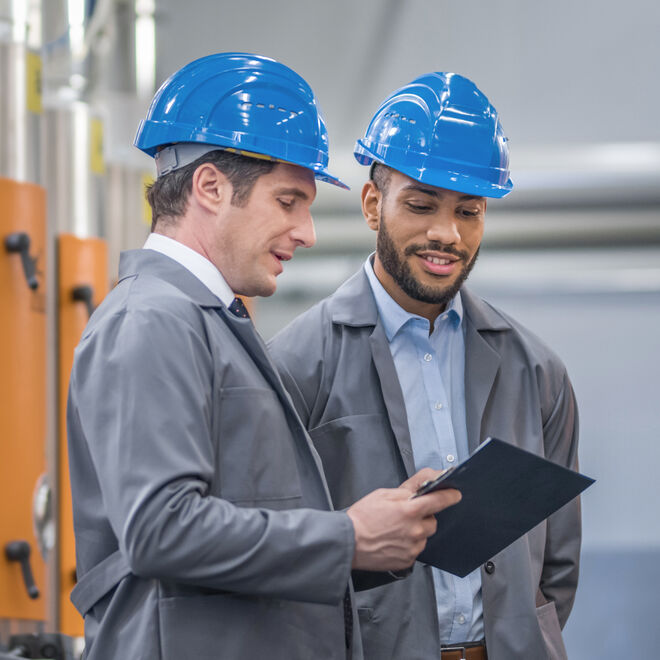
(335,361)
(203,523)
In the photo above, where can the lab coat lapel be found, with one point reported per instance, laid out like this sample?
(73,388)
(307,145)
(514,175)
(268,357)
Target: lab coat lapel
(391,389)
(482,363)
(353,305)
(245,332)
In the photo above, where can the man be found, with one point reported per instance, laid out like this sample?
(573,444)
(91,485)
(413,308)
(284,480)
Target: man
(204,527)
(403,366)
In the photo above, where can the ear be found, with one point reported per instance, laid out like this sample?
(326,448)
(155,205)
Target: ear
(371,203)
(210,187)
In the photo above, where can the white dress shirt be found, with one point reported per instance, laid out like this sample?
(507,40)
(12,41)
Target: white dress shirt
(193,261)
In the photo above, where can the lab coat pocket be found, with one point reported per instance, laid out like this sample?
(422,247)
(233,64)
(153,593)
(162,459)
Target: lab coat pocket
(256,459)
(359,454)
(551,631)
(242,627)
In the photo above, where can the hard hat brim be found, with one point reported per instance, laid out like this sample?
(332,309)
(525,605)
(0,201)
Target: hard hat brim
(150,138)
(181,154)
(324,175)
(426,171)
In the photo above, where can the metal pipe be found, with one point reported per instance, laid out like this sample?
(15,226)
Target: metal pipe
(20,82)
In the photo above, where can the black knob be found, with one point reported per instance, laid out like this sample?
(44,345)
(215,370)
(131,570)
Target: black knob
(84,293)
(20,551)
(49,651)
(20,242)
(54,646)
(20,651)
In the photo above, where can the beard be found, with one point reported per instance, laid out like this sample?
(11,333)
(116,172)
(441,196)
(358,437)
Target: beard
(398,268)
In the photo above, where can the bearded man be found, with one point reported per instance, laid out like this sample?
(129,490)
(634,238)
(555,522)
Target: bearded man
(403,366)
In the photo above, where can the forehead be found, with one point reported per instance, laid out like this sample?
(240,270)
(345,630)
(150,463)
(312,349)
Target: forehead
(284,176)
(402,184)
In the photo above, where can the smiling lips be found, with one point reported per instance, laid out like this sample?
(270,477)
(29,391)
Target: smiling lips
(438,264)
(280,257)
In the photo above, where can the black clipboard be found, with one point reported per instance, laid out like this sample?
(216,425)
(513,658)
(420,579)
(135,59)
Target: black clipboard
(506,492)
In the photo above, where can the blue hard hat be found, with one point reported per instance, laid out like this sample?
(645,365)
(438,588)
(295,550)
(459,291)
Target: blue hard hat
(241,102)
(442,131)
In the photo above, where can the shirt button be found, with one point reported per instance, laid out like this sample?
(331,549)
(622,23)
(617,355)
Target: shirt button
(461,619)
(428,357)
(451,458)
(490,567)
(438,406)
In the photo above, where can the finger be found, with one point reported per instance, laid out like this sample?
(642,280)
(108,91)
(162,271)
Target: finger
(430,525)
(425,474)
(433,502)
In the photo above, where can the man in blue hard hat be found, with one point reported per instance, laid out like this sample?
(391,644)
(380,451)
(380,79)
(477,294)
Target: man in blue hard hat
(404,366)
(204,527)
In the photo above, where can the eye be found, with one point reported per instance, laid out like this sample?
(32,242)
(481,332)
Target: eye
(469,213)
(286,202)
(419,208)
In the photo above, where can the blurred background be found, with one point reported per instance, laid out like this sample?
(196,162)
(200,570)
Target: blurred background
(573,252)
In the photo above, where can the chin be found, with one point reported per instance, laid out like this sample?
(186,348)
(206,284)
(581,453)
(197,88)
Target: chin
(263,289)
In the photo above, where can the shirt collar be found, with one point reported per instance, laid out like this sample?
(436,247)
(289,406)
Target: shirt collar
(193,261)
(393,316)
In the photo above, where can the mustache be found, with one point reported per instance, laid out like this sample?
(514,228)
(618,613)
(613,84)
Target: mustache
(436,246)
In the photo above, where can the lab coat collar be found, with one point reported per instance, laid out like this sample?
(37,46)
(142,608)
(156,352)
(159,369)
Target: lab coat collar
(156,264)
(345,310)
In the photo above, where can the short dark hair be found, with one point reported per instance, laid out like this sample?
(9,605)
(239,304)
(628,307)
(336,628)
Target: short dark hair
(380,174)
(168,195)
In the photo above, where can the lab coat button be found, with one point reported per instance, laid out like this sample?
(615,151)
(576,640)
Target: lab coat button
(489,567)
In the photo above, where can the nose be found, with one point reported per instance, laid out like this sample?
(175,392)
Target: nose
(304,233)
(444,229)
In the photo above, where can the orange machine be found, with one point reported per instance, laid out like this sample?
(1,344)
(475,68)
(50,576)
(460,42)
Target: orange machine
(83,283)
(23,388)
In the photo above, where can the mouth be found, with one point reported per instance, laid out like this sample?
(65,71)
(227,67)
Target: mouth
(280,257)
(438,263)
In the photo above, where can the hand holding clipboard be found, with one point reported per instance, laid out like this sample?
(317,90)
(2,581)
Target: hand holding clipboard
(506,491)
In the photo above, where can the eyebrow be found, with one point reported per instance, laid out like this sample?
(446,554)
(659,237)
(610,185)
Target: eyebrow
(435,193)
(296,192)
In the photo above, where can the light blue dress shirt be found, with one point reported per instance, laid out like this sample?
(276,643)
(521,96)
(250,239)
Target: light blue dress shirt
(431,371)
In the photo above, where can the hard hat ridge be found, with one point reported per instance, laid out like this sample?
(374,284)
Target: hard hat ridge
(247,103)
(440,129)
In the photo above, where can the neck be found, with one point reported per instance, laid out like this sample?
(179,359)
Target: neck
(183,232)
